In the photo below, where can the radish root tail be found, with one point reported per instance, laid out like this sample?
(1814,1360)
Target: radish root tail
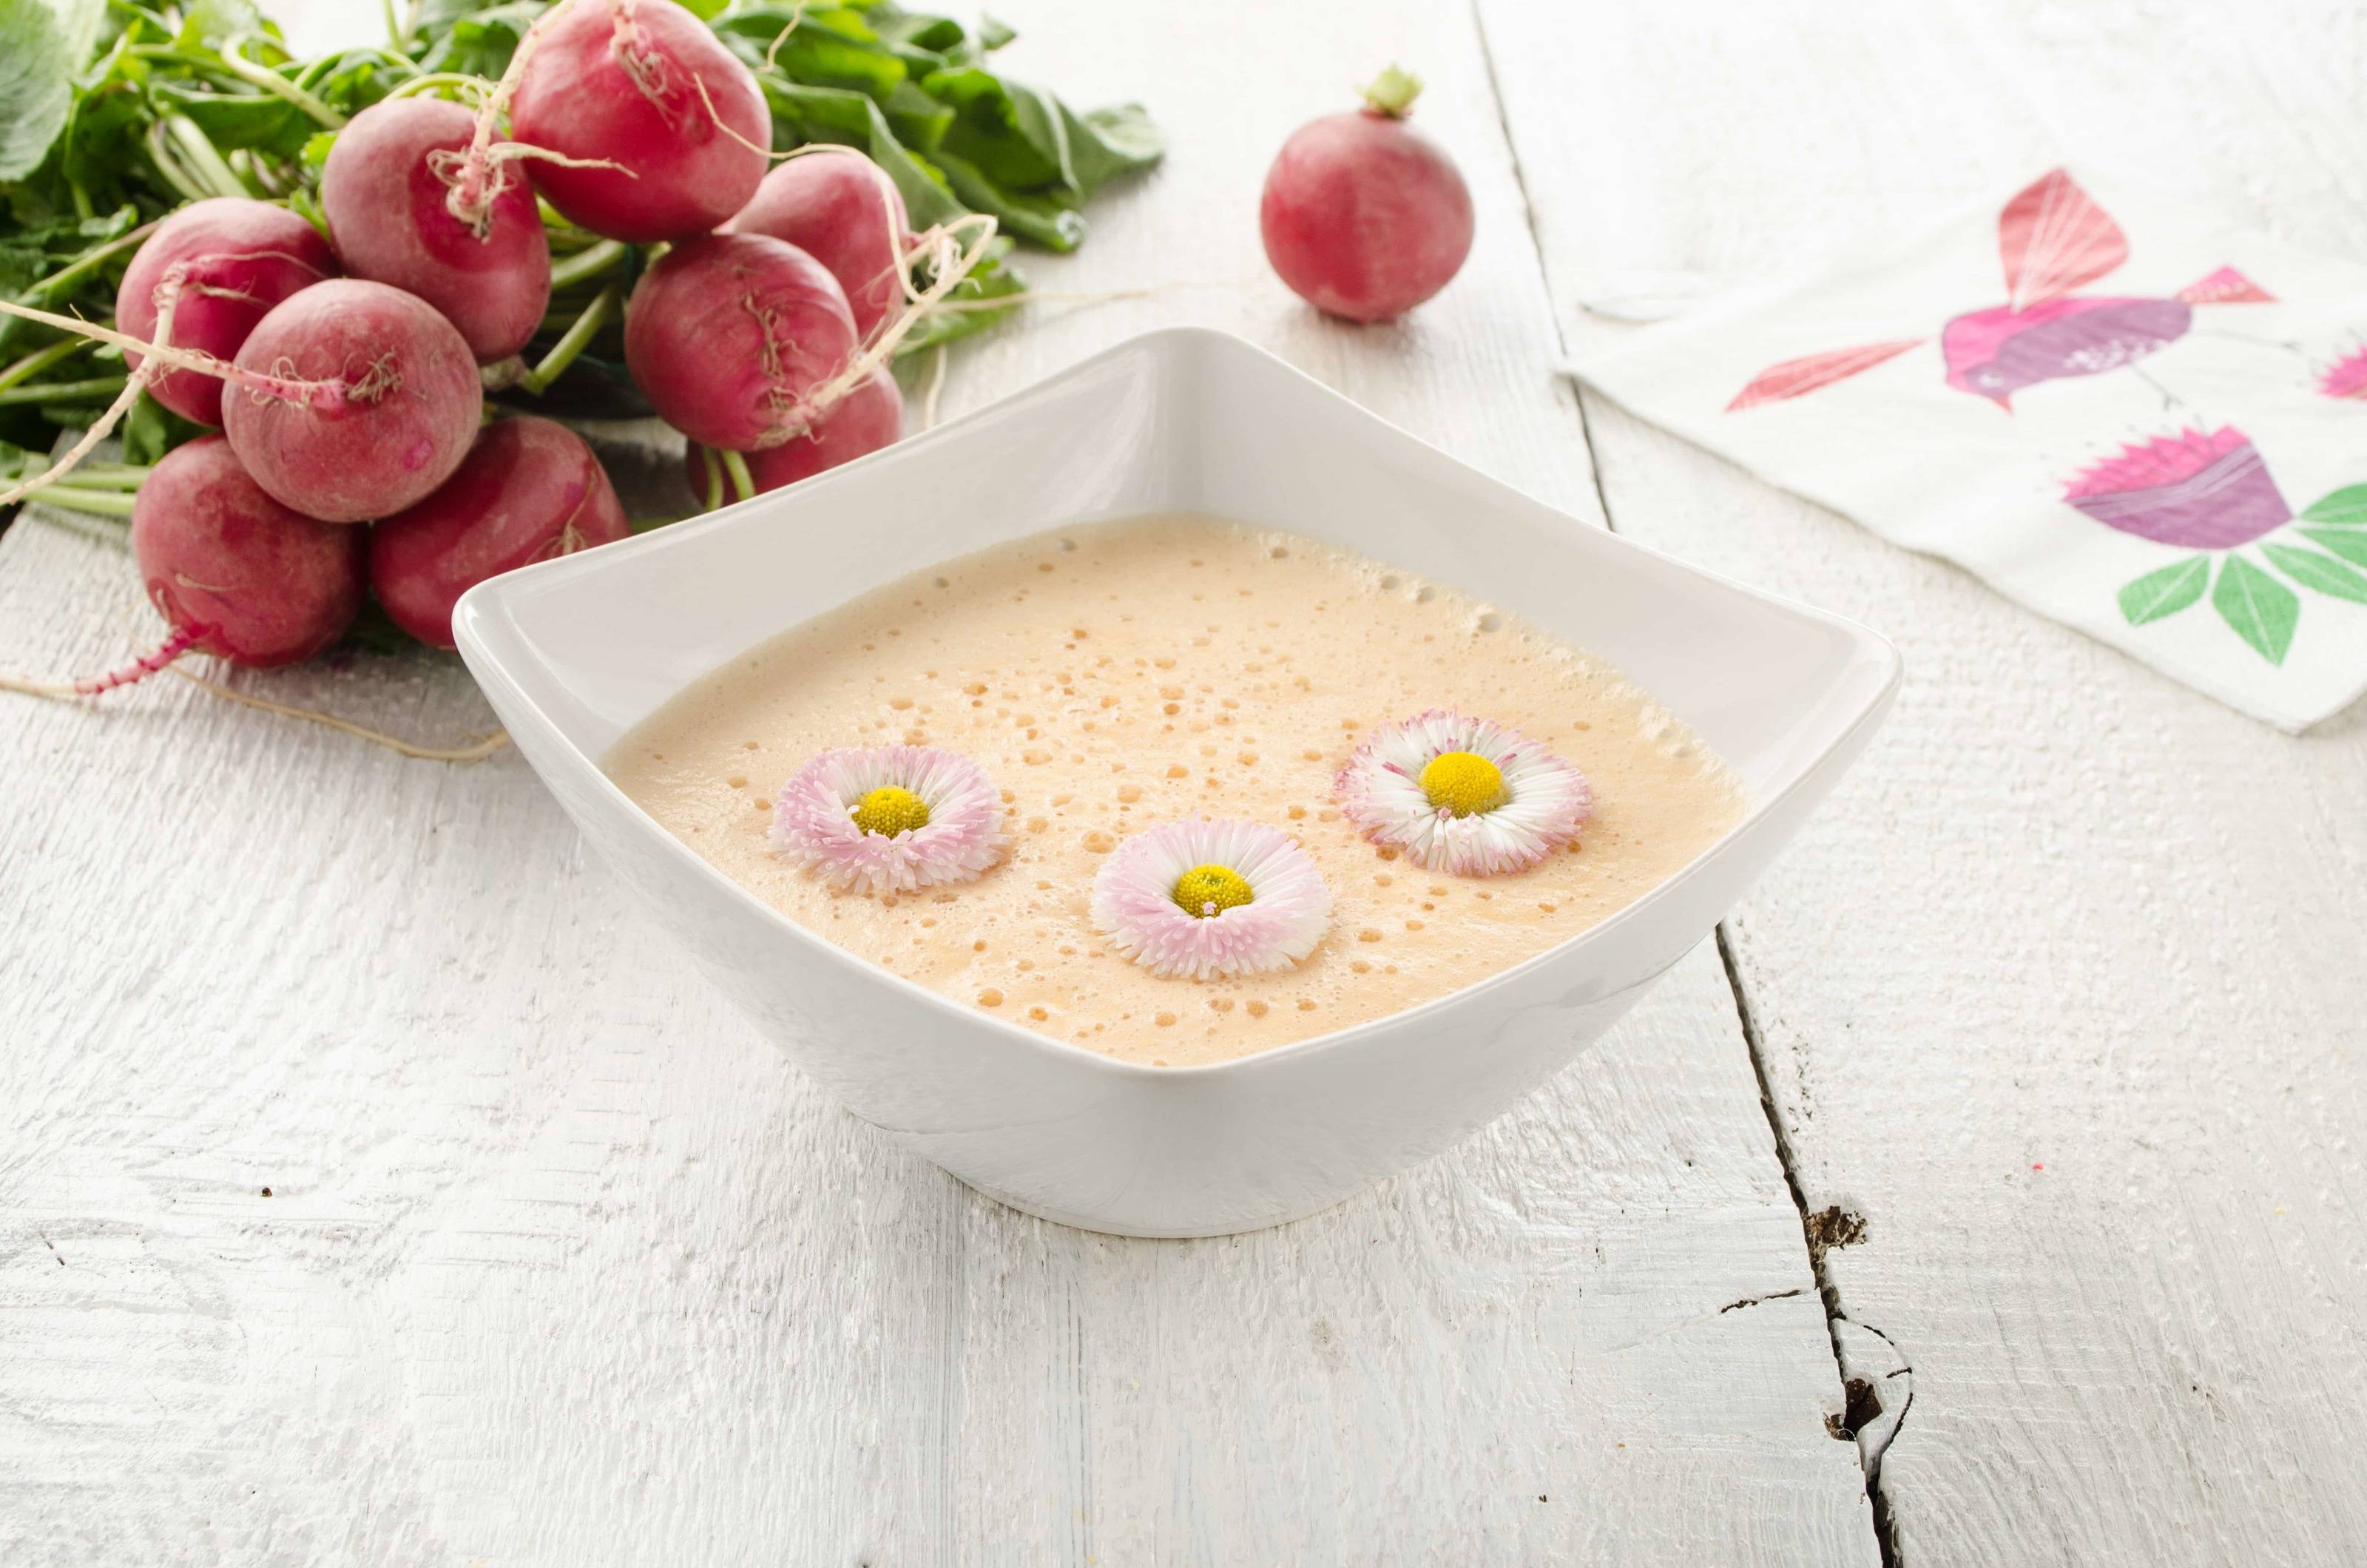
(478,178)
(476,752)
(180,642)
(950,262)
(169,300)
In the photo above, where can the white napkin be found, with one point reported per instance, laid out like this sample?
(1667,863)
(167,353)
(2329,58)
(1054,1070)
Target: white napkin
(2145,426)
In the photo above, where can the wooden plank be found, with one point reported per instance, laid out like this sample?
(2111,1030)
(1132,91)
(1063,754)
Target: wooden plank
(2062,994)
(561,1263)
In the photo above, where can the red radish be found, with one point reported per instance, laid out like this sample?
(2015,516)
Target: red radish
(872,416)
(356,400)
(730,336)
(660,132)
(236,573)
(841,208)
(530,490)
(385,192)
(241,258)
(1363,216)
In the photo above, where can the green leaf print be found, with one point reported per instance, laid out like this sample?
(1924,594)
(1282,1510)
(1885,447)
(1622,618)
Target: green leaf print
(2346,508)
(2313,571)
(2261,610)
(2167,591)
(2350,544)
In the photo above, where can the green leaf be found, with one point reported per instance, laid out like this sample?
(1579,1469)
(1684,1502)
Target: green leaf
(2167,591)
(2313,571)
(1049,220)
(79,22)
(209,23)
(151,430)
(251,119)
(2344,508)
(35,85)
(2350,544)
(834,113)
(1006,132)
(2258,608)
(1107,143)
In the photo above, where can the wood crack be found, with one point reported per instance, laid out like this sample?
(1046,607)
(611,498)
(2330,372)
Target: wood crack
(1821,1230)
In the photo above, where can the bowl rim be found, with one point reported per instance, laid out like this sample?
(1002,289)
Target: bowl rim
(482,606)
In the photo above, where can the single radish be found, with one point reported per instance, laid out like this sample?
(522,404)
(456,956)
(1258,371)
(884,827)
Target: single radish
(530,490)
(1363,216)
(654,129)
(872,416)
(239,258)
(387,191)
(236,573)
(841,208)
(355,401)
(730,335)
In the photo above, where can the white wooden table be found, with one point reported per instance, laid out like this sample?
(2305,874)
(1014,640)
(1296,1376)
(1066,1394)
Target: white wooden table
(371,1190)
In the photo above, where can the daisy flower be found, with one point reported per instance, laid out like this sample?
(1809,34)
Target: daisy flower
(1203,900)
(890,819)
(1463,794)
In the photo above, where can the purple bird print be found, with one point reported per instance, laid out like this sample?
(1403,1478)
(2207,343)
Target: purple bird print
(2053,239)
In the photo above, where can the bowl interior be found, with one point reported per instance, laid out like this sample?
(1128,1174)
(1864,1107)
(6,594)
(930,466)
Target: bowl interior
(1185,420)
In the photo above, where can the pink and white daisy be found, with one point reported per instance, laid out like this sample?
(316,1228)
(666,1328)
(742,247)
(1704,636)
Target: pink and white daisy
(1463,794)
(890,819)
(1203,901)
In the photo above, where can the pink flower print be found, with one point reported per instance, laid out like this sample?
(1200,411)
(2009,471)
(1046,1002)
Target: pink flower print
(2347,377)
(2202,492)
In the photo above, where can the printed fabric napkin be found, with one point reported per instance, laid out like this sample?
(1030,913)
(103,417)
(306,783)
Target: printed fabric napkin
(2145,427)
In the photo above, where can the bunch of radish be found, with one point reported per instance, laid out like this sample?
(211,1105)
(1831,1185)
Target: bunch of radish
(347,374)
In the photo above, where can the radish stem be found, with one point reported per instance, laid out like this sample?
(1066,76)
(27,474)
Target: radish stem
(89,261)
(743,483)
(272,82)
(40,359)
(169,167)
(714,477)
(203,157)
(62,391)
(588,263)
(75,498)
(578,337)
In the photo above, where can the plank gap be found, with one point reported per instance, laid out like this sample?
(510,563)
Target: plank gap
(1816,1235)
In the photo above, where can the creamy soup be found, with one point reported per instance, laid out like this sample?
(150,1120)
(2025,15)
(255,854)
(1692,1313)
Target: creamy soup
(1118,675)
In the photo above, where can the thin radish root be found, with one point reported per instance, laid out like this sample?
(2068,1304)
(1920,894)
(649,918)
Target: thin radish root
(325,395)
(180,642)
(772,55)
(476,752)
(951,261)
(935,390)
(479,178)
(169,300)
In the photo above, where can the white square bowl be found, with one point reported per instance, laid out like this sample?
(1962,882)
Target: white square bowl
(573,652)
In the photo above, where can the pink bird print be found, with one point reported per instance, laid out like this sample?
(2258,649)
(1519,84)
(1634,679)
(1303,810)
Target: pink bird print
(2053,239)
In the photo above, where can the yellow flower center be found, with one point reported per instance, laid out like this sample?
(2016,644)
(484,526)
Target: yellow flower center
(1463,783)
(1206,890)
(888,811)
